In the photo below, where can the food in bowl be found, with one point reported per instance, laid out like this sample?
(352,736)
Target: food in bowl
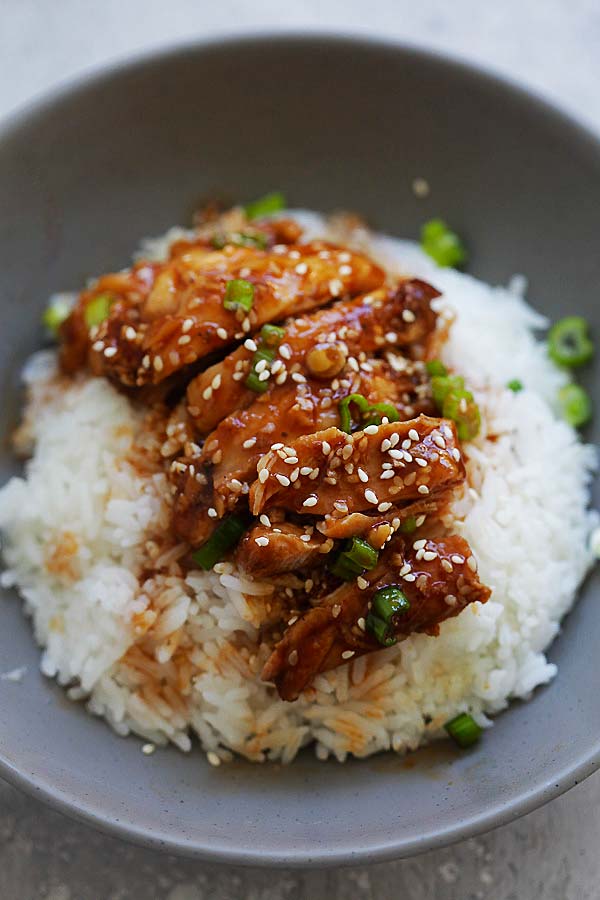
(291,482)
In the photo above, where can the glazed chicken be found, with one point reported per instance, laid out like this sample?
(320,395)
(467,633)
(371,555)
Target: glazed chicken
(311,438)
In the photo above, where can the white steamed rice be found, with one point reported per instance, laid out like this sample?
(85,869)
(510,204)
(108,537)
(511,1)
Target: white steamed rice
(167,656)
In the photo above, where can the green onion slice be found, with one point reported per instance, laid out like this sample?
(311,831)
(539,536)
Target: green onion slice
(55,314)
(515,385)
(436,367)
(265,206)
(390,603)
(356,556)
(409,525)
(239,294)
(442,385)
(460,406)
(225,536)
(344,407)
(442,244)
(379,629)
(272,335)
(464,730)
(97,310)
(575,405)
(569,343)
(378,411)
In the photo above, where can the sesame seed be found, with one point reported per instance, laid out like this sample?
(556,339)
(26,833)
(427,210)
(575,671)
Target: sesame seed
(264,376)
(362,475)
(447,565)
(148,749)
(450,599)
(314,474)
(409,577)
(362,583)
(458,560)
(293,658)
(344,257)
(408,315)
(298,378)
(348,654)
(213,759)
(305,538)
(292,620)
(429,555)
(216,382)
(413,435)
(237,376)
(455,452)
(260,366)
(406,444)
(158,363)
(394,439)
(301,268)
(345,270)
(285,351)
(249,443)
(361,623)
(347,451)
(385,445)
(130,333)
(222,333)
(423,489)
(291,460)
(184,339)
(246,324)
(265,520)
(439,441)
(371,429)
(249,344)
(324,254)
(263,475)
(383,507)
(421,462)
(420,520)
(146,362)
(371,497)
(261,541)
(305,470)
(207,393)
(387,473)
(294,254)
(289,450)
(187,324)
(472,563)
(405,569)
(99,345)
(336,610)
(418,545)
(326,448)
(283,480)
(310,501)
(212,512)
(335,287)
(277,367)
(110,351)
(391,337)
(341,505)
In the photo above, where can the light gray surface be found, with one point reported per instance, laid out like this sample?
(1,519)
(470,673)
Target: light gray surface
(551,853)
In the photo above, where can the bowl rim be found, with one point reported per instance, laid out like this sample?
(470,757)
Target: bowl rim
(557,781)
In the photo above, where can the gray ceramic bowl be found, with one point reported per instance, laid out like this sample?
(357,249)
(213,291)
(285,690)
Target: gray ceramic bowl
(335,122)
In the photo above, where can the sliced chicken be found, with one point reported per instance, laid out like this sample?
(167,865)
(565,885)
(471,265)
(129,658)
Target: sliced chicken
(369,470)
(270,550)
(438,578)
(167,316)
(319,345)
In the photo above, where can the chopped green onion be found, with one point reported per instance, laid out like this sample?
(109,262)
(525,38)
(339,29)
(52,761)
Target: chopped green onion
(409,525)
(515,385)
(378,411)
(356,556)
(265,206)
(272,335)
(344,408)
(240,239)
(460,406)
(97,309)
(225,536)
(569,343)
(253,380)
(443,384)
(239,294)
(390,603)
(55,314)
(436,367)
(442,244)
(464,730)
(575,405)
(380,630)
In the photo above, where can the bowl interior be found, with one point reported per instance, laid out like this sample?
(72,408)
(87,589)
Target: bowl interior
(336,123)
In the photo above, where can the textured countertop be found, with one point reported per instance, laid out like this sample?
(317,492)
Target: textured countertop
(553,853)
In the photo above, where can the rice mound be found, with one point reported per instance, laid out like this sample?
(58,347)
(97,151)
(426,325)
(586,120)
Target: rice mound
(168,655)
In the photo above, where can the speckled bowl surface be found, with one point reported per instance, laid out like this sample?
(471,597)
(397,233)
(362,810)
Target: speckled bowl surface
(335,122)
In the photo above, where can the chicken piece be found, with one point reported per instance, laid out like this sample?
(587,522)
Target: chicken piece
(269,550)
(369,470)
(176,315)
(319,345)
(439,578)
(230,454)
